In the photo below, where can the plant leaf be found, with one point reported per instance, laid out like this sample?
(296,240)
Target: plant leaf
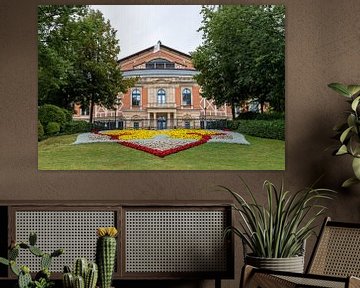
(356,167)
(342,150)
(345,134)
(355,103)
(349,182)
(353,89)
(340,88)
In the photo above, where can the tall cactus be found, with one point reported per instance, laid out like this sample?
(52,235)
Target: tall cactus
(106,254)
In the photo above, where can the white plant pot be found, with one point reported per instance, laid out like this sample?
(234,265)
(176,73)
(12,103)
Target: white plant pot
(291,264)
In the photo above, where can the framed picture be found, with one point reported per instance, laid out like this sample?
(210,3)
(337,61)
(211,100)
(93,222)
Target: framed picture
(161,87)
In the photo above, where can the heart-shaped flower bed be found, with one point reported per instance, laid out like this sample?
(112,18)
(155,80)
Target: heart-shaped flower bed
(161,142)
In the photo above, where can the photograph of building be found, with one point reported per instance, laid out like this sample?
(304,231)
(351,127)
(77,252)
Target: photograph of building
(165,96)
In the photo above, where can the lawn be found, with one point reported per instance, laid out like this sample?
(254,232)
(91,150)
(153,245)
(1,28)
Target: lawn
(58,153)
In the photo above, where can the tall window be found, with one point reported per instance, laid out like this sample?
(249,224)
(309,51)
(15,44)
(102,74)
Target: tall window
(161,96)
(85,111)
(186,94)
(135,96)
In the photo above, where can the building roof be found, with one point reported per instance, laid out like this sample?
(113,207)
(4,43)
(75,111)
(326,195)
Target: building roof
(151,48)
(159,73)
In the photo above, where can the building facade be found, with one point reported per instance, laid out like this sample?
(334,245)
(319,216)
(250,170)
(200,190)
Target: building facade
(166,94)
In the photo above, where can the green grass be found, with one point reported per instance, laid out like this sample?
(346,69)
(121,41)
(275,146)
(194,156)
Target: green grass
(57,153)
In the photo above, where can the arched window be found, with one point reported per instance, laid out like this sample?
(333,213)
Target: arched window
(135,96)
(161,96)
(186,96)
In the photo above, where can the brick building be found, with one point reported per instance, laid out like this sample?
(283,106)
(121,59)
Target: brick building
(166,95)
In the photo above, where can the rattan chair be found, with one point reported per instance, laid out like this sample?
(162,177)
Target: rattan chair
(334,263)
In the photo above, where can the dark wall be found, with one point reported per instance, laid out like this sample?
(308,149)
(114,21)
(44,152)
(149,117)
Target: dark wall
(322,46)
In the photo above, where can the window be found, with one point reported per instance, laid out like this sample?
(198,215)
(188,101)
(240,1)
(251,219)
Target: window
(186,96)
(161,96)
(187,124)
(160,63)
(136,125)
(135,96)
(85,111)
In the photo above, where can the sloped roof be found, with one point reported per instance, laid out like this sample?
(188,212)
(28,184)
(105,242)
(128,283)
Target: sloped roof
(151,48)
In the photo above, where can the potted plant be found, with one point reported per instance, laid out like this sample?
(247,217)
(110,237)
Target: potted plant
(42,278)
(276,233)
(349,132)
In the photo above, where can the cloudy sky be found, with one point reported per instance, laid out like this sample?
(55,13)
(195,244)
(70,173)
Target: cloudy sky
(141,26)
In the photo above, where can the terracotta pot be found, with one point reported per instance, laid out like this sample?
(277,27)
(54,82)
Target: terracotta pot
(291,264)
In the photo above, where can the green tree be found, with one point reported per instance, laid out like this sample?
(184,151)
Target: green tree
(78,58)
(56,51)
(98,79)
(242,55)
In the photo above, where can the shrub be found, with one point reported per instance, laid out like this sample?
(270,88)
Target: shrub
(261,116)
(77,127)
(51,113)
(52,128)
(40,131)
(68,114)
(274,129)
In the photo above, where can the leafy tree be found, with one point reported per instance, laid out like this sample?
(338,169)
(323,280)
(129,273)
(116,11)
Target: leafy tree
(242,55)
(78,58)
(56,51)
(98,79)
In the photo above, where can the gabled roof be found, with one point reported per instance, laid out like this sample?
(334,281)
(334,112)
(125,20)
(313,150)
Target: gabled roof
(151,48)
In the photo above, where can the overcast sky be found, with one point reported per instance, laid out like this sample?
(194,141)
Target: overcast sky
(141,26)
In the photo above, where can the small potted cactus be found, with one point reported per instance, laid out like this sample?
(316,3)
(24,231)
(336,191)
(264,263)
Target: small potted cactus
(85,275)
(42,278)
(106,254)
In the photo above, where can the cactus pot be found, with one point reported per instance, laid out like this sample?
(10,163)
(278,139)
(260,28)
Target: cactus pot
(291,264)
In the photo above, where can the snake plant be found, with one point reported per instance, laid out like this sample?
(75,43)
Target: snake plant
(279,228)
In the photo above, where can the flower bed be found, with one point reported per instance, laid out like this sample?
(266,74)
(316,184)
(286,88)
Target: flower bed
(162,142)
(167,144)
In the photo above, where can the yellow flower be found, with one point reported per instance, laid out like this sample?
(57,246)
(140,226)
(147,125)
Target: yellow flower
(128,134)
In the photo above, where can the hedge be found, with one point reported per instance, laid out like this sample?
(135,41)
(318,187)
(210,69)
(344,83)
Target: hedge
(73,127)
(40,131)
(274,129)
(261,116)
(52,128)
(51,113)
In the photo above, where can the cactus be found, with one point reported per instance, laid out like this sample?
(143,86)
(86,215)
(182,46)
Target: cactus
(14,268)
(105,255)
(88,273)
(23,273)
(68,280)
(79,282)
(91,276)
(24,280)
(80,267)
(4,261)
(13,253)
(36,251)
(45,261)
(32,238)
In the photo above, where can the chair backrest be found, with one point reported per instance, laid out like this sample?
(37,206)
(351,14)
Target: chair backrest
(337,251)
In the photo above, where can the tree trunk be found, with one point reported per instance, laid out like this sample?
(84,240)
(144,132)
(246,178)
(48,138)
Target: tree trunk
(261,107)
(91,111)
(233,109)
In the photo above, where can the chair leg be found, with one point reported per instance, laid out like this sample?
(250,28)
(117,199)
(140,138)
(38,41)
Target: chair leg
(246,274)
(250,278)
(354,282)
